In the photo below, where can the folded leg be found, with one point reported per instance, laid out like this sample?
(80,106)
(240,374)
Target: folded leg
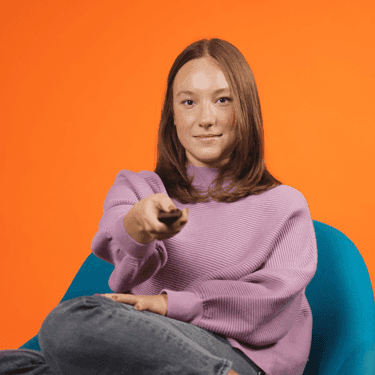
(23,361)
(92,335)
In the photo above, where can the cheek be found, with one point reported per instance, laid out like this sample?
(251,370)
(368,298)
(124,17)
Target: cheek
(232,142)
(183,135)
(184,121)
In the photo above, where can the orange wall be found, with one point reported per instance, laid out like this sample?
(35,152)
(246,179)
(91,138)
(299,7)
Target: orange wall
(81,93)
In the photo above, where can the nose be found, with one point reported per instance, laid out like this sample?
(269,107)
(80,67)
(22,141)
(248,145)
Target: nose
(207,115)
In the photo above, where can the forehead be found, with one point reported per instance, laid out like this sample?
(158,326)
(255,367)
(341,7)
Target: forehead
(200,74)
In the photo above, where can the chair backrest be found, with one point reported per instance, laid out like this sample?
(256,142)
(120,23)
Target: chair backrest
(343,308)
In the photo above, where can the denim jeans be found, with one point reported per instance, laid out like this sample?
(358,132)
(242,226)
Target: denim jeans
(92,335)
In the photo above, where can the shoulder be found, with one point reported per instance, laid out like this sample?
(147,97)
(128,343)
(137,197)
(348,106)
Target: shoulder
(280,205)
(128,174)
(140,178)
(284,197)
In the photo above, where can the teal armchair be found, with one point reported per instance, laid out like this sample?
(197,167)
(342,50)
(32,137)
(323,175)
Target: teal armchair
(340,295)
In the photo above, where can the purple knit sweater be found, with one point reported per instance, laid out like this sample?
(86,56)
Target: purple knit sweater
(239,269)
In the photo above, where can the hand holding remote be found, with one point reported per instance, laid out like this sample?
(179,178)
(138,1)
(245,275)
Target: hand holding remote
(155,217)
(169,218)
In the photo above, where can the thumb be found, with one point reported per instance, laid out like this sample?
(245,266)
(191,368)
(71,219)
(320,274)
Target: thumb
(138,306)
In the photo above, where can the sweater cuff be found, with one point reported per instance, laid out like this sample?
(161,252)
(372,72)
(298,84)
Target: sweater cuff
(184,306)
(128,244)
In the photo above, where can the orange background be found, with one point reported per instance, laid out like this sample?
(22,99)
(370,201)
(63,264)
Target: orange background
(81,92)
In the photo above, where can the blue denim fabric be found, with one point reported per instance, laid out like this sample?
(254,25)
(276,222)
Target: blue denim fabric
(92,335)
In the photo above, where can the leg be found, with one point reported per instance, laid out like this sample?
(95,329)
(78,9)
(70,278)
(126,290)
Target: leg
(95,335)
(23,361)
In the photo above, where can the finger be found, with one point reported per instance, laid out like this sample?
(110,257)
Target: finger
(163,202)
(144,305)
(185,215)
(129,299)
(122,298)
(178,225)
(182,220)
(159,226)
(109,295)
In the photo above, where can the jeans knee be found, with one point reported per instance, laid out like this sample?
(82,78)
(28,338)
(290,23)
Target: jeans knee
(61,323)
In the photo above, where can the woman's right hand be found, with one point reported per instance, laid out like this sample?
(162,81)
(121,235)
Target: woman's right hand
(142,222)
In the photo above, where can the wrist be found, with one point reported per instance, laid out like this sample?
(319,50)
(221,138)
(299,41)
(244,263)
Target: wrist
(135,232)
(165,299)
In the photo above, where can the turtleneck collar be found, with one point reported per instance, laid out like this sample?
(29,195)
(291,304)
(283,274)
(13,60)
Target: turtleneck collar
(203,176)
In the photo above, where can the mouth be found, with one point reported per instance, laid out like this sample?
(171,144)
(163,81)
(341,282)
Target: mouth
(208,139)
(208,136)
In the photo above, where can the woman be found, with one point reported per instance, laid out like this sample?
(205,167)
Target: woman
(220,291)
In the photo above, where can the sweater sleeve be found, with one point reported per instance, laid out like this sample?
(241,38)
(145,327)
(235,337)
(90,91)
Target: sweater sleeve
(262,306)
(134,262)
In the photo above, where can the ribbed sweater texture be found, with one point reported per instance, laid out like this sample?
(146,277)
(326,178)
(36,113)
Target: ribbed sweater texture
(239,269)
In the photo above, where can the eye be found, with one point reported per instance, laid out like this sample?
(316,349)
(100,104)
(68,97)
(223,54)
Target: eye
(226,98)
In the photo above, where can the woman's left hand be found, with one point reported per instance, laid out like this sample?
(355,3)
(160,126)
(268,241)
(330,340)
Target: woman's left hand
(156,304)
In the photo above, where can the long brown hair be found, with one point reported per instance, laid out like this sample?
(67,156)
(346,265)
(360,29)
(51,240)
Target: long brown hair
(246,169)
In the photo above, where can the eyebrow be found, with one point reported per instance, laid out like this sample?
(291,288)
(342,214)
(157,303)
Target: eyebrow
(191,93)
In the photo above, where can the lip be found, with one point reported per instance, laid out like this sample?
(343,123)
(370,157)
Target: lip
(208,139)
(208,136)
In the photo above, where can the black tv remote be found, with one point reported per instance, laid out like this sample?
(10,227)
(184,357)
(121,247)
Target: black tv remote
(169,218)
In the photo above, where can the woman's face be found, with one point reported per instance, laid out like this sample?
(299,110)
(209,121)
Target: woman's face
(204,110)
